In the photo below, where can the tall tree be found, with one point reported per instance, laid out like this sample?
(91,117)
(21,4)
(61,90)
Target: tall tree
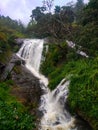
(78,9)
(48,4)
(90,13)
(57,9)
(37,13)
(79,4)
(88,37)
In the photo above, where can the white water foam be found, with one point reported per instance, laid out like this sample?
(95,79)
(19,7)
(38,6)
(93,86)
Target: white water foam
(55,116)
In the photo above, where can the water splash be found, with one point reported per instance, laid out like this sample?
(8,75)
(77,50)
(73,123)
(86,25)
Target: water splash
(55,116)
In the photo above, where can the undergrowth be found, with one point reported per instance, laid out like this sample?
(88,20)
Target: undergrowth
(13,115)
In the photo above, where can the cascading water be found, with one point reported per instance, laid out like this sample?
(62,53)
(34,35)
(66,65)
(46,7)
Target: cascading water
(55,116)
(31,53)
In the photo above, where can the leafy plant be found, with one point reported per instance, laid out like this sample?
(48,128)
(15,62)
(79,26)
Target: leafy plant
(13,114)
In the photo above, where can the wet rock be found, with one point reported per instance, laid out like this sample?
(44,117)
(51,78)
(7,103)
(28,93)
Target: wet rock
(19,41)
(56,123)
(2,66)
(82,124)
(15,60)
(28,87)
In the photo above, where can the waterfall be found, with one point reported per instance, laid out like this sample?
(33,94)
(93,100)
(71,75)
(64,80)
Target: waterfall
(31,53)
(55,116)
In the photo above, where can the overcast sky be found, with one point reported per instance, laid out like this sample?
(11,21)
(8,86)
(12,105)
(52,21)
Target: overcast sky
(21,9)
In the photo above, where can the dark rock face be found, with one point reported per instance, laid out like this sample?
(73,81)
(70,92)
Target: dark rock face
(27,88)
(8,68)
(82,124)
(27,85)
(19,41)
(2,66)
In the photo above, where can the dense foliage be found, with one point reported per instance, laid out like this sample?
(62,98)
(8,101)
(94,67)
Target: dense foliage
(77,22)
(87,37)
(9,31)
(11,24)
(84,90)
(45,24)
(13,114)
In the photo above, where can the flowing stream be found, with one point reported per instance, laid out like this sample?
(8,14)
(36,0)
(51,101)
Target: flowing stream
(55,116)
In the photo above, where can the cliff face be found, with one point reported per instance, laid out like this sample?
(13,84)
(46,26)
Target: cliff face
(27,87)
(27,90)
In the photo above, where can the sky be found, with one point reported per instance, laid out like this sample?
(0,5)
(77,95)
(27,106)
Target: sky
(22,9)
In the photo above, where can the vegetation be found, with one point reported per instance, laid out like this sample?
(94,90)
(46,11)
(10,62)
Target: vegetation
(13,115)
(77,22)
(9,31)
(87,37)
(83,90)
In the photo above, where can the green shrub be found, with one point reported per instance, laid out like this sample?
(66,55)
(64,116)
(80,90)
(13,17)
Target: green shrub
(13,115)
(83,91)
